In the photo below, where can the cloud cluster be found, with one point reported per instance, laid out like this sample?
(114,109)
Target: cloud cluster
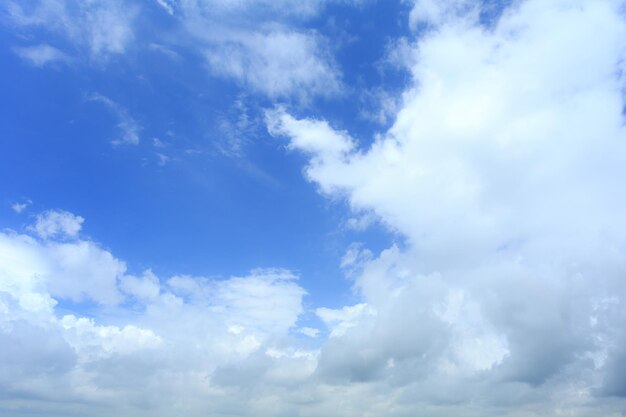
(77,328)
(503,171)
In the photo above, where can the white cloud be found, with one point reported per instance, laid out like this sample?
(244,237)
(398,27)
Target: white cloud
(339,321)
(166,5)
(93,342)
(355,258)
(41,55)
(83,270)
(58,223)
(433,12)
(163,159)
(314,137)
(158,143)
(309,331)
(503,171)
(279,63)
(259,44)
(127,125)
(362,221)
(146,287)
(174,337)
(231,9)
(77,270)
(20,207)
(270,298)
(378,105)
(262,46)
(103,28)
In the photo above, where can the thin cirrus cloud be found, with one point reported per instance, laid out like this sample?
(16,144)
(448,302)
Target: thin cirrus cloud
(41,55)
(101,29)
(128,127)
(280,63)
(256,44)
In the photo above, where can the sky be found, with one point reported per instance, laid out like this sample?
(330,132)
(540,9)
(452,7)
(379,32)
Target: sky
(280,208)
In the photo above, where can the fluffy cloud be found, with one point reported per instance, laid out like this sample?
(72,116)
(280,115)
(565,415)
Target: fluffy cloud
(77,271)
(56,223)
(125,333)
(502,171)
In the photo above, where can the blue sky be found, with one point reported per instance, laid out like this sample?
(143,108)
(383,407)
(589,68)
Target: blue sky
(322,207)
(211,197)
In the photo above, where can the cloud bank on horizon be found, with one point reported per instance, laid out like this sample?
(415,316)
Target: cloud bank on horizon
(500,172)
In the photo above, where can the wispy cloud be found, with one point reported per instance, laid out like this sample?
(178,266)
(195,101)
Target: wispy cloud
(41,55)
(260,46)
(256,44)
(102,28)
(127,125)
(20,207)
(166,5)
(279,63)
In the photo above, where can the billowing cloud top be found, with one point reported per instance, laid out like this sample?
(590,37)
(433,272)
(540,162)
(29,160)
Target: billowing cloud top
(500,174)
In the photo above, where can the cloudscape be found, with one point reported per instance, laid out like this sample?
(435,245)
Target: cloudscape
(281,208)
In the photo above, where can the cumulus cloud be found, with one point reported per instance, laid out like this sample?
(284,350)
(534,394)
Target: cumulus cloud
(340,320)
(76,270)
(89,339)
(57,223)
(146,287)
(315,137)
(502,171)
(177,335)
(267,300)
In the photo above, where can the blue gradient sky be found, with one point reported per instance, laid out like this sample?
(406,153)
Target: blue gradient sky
(280,208)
